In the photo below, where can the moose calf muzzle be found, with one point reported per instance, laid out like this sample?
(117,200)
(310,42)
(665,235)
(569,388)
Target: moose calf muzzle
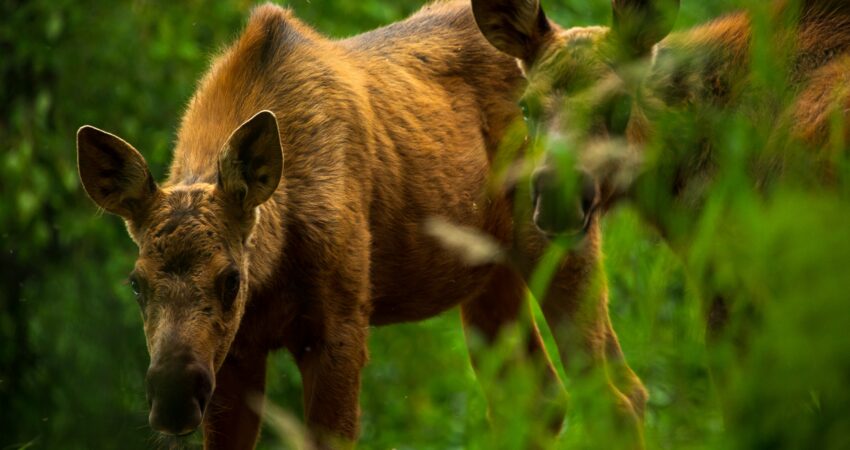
(178,389)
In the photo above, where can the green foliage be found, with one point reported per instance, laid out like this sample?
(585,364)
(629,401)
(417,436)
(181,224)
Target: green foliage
(72,355)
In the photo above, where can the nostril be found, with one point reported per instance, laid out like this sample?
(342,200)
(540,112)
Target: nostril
(541,180)
(203,387)
(589,194)
(202,404)
(535,187)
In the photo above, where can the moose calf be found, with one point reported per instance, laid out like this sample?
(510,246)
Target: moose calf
(294,216)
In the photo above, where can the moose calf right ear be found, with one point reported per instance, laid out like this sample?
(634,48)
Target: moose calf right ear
(516,27)
(640,24)
(114,174)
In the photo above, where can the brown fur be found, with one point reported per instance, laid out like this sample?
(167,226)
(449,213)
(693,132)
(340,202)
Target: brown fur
(373,136)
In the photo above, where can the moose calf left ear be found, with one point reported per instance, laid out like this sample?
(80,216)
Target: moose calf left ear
(251,162)
(114,174)
(516,27)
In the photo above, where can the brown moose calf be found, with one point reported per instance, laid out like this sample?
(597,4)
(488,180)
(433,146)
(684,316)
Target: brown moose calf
(293,216)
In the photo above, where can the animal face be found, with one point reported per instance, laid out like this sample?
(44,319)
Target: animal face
(563,96)
(580,99)
(192,276)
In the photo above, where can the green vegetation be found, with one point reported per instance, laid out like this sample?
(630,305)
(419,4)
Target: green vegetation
(72,352)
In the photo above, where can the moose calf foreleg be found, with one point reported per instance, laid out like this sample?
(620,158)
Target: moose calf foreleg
(486,320)
(575,307)
(232,421)
(623,377)
(330,372)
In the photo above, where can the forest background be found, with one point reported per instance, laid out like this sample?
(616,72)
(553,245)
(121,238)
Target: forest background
(72,352)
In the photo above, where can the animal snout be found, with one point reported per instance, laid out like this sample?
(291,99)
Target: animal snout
(563,205)
(179,390)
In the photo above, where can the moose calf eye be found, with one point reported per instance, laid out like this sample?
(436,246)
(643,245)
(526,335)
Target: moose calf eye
(531,113)
(523,106)
(136,286)
(229,287)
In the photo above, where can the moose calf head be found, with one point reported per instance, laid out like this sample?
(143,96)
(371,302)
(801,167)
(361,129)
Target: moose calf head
(581,100)
(191,276)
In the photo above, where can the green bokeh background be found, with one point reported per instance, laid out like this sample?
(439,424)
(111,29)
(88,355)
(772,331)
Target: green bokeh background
(72,353)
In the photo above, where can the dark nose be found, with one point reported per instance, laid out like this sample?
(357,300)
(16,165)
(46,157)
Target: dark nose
(562,204)
(179,389)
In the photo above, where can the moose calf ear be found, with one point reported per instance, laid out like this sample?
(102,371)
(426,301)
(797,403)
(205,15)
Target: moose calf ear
(250,165)
(516,27)
(640,24)
(114,174)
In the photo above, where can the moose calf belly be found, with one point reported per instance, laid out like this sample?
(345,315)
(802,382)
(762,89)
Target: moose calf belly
(415,272)
(421,288)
